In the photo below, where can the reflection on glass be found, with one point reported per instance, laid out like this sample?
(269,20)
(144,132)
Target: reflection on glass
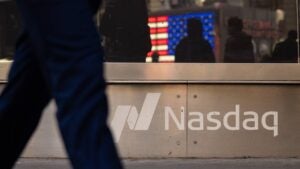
(228,31)
(238,46)
(169,32)
(193,47)
(126,32)
(287,51)
(9,28)
(239,31)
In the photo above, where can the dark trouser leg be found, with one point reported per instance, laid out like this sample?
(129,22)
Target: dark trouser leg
(67,41)
(21,104)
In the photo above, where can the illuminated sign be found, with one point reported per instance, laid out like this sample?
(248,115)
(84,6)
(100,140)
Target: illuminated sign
(167,31)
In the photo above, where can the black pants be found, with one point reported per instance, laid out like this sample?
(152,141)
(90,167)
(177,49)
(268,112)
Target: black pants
(58,56)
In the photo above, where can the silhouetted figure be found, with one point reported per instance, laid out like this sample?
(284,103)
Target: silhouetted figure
(155,57)
(286,51)
(58,56)
(238,47)
(125,27)
(194,48)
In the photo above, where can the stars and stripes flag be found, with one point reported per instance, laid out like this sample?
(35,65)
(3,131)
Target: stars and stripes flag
(166,32)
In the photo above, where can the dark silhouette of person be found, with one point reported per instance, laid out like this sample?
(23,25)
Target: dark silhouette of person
(194,48)
(287,51)
(125,27)
(155,57)
(59,56)
(238,47)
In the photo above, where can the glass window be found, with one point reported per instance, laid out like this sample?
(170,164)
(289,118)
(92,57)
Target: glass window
(201,31)
(9,28)
(186,31)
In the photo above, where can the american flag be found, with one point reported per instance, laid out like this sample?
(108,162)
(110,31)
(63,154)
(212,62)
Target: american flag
(167,31)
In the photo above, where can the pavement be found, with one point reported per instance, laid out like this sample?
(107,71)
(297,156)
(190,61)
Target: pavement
(174,164)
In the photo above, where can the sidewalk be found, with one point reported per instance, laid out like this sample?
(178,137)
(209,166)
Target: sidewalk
(175,164)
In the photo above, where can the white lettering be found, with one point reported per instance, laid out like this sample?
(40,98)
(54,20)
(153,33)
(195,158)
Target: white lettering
(253,120)
(273,128)
(235,114)
(199,120)
(169,112)
(215,121)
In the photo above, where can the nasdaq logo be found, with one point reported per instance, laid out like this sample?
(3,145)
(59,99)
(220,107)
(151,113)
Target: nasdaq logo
(128,114)
(235,120)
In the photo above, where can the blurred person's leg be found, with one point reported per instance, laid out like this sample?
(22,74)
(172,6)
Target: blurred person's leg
(21,103)
(66,39)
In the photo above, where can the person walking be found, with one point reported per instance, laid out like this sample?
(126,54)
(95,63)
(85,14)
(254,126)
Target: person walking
(59,55)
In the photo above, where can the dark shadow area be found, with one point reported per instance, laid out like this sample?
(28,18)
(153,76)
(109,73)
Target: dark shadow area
(194,48)
(124,26)
(238,47)
(287,51)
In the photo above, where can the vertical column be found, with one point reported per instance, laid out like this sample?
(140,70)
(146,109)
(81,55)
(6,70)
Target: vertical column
(290,14)
(2,12)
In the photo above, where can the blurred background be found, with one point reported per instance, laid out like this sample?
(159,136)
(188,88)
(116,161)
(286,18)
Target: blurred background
(158,31)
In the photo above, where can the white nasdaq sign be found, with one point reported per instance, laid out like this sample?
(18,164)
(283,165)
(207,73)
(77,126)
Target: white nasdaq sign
(194,121)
